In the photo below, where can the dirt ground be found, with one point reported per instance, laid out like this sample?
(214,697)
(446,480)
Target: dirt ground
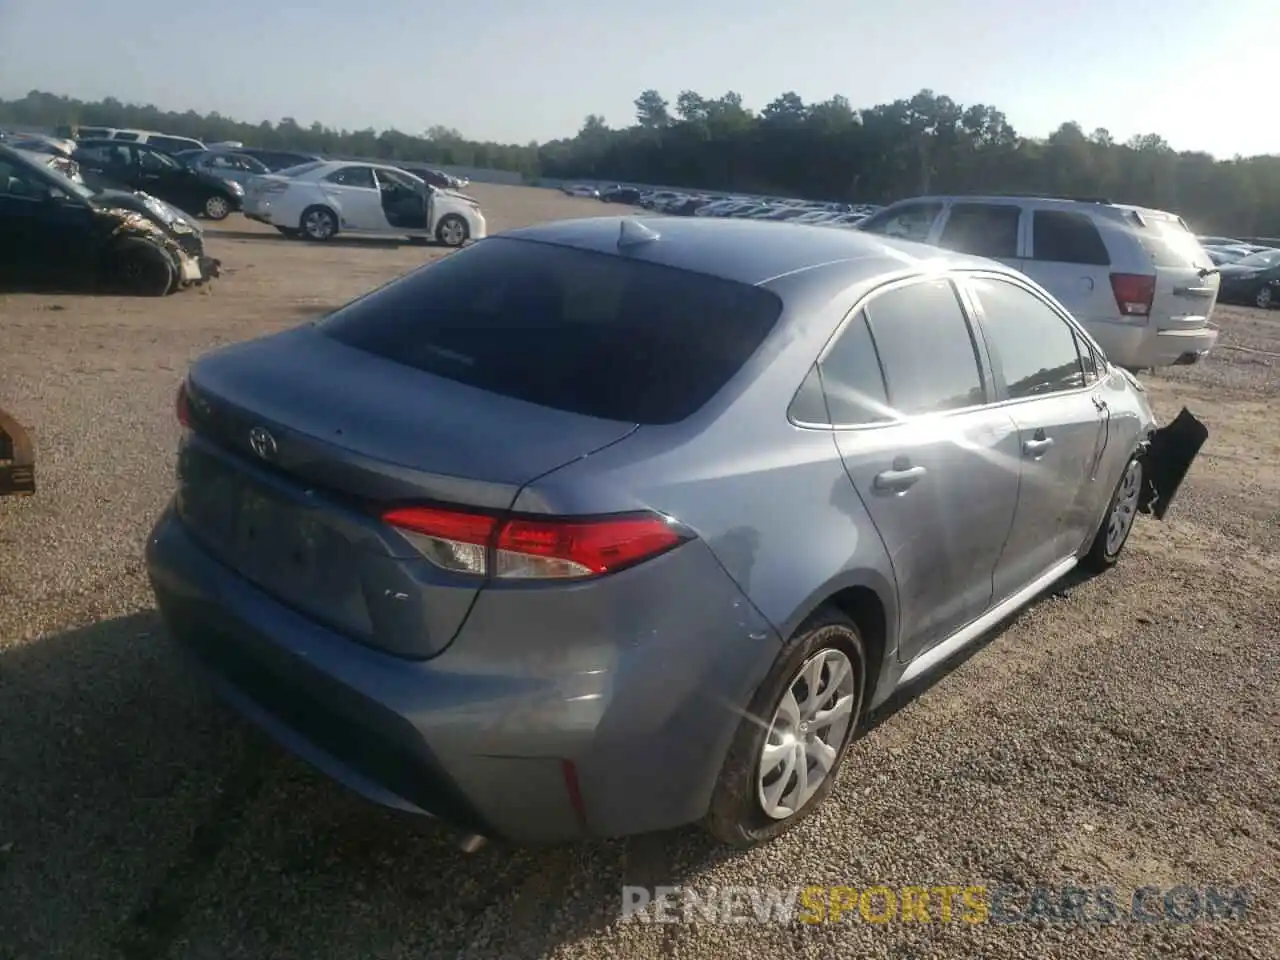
(1121,733)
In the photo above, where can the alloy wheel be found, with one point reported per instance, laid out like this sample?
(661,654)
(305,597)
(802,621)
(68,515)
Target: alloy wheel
(806,733)
(1126,507)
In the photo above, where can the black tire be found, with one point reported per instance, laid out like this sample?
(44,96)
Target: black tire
(290,233)
(736,815)
(456,238)
(1264,297)
(312,224)
(141,269)
(216,207)
(1103,555)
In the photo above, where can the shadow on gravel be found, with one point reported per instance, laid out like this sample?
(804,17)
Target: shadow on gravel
(257,236)
(139,814)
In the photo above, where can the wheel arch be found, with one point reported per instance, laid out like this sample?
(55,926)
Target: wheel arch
(869,599)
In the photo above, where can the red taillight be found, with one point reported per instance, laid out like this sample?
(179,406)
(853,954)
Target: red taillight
(183,406)
(1134,293)
(529,548)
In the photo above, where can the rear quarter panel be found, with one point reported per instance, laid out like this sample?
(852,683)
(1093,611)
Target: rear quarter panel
(771,500)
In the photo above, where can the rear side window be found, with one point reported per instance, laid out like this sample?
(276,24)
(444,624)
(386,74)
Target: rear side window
(926,348)
(983,230)
(353,177)
(172,144)
(1065,237)
(852,379)
(122,135)
(585,332)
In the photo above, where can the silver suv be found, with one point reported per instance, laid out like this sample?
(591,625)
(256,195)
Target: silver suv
(1137,279)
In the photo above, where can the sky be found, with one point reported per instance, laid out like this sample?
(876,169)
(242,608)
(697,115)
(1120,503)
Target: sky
(507,71)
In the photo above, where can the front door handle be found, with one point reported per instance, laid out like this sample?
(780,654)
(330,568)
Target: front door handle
(1037,447)
(899,480)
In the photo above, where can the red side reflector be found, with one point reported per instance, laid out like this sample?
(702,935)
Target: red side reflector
(1134,293)
(183,405)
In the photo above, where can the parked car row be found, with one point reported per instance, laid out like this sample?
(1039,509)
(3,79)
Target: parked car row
(677,203)
(1250,272)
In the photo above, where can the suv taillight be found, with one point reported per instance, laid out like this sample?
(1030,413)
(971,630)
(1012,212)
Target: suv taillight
(528,548)
(1134,293)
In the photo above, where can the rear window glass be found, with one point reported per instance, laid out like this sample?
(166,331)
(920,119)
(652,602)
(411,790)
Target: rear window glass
(1169,243)
(589,333)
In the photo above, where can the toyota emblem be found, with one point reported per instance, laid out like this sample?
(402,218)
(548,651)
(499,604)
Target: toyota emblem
(262,443)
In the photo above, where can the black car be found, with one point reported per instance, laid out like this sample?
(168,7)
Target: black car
(275,160)
(116,163)
(56,231)
(1254,280)
(620,194)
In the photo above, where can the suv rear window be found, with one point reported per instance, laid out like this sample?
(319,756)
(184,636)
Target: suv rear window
(1169,242)
(585,332)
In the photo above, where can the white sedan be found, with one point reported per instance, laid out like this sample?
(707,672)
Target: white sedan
(319,200)
(581,190)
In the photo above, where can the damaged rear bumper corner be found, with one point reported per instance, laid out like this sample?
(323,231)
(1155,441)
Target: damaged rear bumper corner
(1167,459)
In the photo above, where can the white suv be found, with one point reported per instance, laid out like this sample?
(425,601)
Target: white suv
(1138,279)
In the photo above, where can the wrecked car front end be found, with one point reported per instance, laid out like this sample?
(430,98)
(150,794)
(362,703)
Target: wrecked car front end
(183,245)
(17,459)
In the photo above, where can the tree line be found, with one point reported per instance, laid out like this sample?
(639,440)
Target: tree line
(828,150)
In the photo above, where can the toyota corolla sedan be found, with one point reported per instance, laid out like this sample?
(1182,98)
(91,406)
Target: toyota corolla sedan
(607,526)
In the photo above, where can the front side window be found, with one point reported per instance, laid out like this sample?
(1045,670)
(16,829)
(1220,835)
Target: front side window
(983,230)
(909,221)
(1034,347)
(926,348)
(353,177)
(153,161)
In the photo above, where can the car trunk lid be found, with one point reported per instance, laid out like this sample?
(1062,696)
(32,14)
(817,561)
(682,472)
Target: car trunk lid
(300,443)
(1186,284)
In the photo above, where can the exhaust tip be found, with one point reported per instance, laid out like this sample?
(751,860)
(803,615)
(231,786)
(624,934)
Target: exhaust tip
(472,842)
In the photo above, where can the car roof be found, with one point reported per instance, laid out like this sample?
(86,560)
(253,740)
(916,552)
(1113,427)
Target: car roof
(747,251)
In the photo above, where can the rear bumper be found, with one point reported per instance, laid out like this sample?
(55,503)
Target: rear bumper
(1141,347)
(503,732)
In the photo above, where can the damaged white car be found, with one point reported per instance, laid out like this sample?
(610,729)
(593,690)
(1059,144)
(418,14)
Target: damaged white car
(318,201)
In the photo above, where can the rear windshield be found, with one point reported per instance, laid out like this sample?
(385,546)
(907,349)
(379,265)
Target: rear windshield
(589,333)
(1170,243)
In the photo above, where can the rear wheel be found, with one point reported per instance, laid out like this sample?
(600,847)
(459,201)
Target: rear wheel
(788,749)
(452,231)
(216,207)
(140,269)
(318,224)
(1263,298)
(1116,526)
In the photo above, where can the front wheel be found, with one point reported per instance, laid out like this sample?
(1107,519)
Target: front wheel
(1262,299)
(141,269)
(217,207)
(788,749)
(452,231)
(1116,526)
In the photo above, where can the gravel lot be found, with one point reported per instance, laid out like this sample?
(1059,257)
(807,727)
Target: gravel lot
(1123,732)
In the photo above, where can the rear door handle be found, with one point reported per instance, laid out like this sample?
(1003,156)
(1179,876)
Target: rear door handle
(899,480)
(1037,447)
